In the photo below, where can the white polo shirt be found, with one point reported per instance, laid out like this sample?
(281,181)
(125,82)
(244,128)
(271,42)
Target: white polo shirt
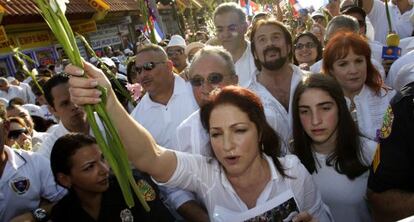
(206,177)
(396,66)
(370,109)
(245,68)
(26,179)
(54,134)
(400,22)
(162,120)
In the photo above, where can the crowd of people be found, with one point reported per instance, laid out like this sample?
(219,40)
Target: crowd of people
(262,120)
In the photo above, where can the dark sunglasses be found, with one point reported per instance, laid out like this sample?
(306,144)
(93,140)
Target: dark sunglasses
(172,53)
(308,45)
(213,78)
(147,66)
(14,134)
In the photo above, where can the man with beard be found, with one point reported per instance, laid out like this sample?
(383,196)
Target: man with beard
(278,77)
(166,104)
(72,117)
(231,27)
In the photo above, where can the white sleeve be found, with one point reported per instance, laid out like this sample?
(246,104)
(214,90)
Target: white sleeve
(175,197)
(306,193)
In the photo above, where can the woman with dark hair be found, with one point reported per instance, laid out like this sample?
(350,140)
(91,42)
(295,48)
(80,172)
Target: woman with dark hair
(347,58)
(326,140)
(244,178)
(94,195)
(307,50)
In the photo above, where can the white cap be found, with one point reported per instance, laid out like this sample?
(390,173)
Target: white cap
(128,52)
(10,79)
(192,46)
(35,110)
(108,62)
(177,40)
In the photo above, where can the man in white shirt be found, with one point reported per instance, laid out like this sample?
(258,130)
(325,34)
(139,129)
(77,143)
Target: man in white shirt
(278,77)
(167,102)
(231,27)
(26,184)
(402,17)
(72,117)
(9,91)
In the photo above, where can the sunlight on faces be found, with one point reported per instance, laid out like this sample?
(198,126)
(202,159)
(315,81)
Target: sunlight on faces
(306,54)
(318,113)
(350,72)
(89,171)
(153,80)
(205,66)
(271,48)
(234,139)
(230,29)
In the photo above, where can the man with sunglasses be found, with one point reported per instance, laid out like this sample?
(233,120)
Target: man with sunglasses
(27,186)
(175,51)
(231,27)
(167,102)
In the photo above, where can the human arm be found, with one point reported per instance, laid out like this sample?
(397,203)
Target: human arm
(141,147)
(28,216)
(192,211)
(391,205)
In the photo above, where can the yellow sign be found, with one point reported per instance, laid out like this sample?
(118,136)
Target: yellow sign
(3,35)
(101,7)
(5,46)
(85,27)
(2,10)
(33,39)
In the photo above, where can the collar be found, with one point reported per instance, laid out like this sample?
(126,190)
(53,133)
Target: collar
(14,157)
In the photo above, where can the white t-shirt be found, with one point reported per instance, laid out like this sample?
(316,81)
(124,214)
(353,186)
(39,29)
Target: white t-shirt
(14,91)
(206,177)
(345,197)
(27,178)
(370,109)
(245,68)
(401,23)
(54,134)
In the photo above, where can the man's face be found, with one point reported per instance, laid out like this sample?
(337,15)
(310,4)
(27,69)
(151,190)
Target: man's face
(230,30)
(271,48)
(152,71)
(177,56)
(208,73)
(71,115)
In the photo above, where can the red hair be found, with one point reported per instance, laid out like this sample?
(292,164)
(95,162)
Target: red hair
(339,47)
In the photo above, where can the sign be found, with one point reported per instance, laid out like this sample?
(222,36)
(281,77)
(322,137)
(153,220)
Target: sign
(5,46)
(34,39)
(3,35)
(85,27)
(101,8)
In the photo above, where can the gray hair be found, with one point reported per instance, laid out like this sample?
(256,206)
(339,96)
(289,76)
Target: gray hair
(341,22)
(153,48)
(230,7)
(215,51)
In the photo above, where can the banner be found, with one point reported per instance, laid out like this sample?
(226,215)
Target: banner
(85,27)
(33,39)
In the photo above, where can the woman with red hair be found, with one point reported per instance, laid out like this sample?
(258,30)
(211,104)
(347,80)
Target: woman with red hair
(347,57)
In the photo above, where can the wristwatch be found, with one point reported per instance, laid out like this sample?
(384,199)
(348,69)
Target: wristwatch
(40,215)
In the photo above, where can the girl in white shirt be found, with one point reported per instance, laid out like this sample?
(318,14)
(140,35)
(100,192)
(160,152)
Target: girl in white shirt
(327,142)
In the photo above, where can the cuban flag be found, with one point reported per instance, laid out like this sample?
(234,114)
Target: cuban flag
(295,6)
(251,7)
(154,29)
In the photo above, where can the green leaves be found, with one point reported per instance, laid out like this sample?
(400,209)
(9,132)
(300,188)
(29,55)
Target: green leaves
(53,12)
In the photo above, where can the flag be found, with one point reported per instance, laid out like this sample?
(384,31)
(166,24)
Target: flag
(153,29)
(251,7)
(295,6)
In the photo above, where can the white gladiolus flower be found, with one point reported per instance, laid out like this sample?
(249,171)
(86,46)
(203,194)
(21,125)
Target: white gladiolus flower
(54,4)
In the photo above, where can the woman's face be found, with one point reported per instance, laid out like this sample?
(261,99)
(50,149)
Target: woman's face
(318,113)
(89,172)
(19,134)
(305,50)
(351,73)
(234,139)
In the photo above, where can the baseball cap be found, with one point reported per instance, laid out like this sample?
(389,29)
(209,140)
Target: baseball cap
(177,40)
(108,62)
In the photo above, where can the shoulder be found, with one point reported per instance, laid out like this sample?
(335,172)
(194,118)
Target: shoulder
(290,161)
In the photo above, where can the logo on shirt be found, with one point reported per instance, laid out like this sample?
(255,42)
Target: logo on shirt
(386,128)
(20,185)
(126,216)
(147,190)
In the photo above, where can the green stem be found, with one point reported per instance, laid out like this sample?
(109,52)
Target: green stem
(387,10)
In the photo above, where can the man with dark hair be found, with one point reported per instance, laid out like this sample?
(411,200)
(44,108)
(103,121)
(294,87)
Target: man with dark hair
(72,117)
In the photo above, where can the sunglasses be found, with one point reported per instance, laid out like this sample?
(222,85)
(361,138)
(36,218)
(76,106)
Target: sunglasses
(172,53)
(308,45)
(14,134)
(147,66)
(213,79)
